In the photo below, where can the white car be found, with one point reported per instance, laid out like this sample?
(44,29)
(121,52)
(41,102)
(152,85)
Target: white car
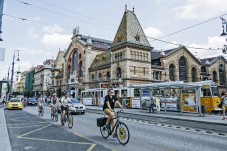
(78,107)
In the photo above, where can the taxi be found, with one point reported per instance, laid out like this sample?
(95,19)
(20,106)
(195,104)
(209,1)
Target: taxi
(14,104)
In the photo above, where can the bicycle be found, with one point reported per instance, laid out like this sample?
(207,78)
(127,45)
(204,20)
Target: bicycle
(67,118)
(41,110)
(54,114)
(121,129)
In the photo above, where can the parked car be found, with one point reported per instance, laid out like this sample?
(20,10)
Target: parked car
(14,104)
(78,107)
(32,101)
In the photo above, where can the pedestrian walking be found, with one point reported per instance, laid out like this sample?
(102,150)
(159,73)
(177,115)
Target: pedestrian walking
(157,104)
(4,101)
(224,105)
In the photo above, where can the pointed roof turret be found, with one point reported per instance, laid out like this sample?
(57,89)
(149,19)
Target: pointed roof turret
(130,31)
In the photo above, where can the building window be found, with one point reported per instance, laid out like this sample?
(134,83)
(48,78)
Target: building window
(141,57)
(134,70)
(182,69)
(119,73)
(81,70)
(144,72)
(214,76)
(92,77)
(100,76)
(134,55)
(171,72)
(115,57)
(120,57)
(108,75)
(193,72)
(221,74)
(146,58)
(75,62)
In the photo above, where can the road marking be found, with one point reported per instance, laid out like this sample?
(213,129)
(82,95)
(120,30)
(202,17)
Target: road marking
(33,131)
(28,123)
(59,141)
(91,147)
(82,136)
(162,147)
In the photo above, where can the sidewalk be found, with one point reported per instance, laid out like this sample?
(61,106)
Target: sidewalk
(216,119)
(4,139)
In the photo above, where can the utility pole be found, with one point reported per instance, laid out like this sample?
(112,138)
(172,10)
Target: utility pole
(12,74)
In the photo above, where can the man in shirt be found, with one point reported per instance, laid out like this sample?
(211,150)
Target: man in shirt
(65,99)
(108,107)
(224,105)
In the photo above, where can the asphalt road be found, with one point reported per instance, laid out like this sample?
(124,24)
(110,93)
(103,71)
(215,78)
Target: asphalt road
(29,132)
(145,136)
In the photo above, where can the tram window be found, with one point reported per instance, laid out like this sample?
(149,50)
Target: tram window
(136,93)
(214,91)
(116,93)
(206,92)
(101,93)
(123,93)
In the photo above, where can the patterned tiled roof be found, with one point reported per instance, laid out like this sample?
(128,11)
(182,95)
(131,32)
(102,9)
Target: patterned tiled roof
(101,60)
(157,54)
(211,60)
(130,31)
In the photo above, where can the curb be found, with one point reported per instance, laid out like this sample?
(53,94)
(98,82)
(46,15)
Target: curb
(174,118)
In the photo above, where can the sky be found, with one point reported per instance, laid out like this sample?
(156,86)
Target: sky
(52,22)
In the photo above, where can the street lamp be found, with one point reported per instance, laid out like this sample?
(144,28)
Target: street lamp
(12,74)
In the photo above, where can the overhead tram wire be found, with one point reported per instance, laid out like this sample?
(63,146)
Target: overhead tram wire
(190,27)
(69,10)
(43,23)
(55,12)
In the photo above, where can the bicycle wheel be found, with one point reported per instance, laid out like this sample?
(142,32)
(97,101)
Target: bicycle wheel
(56,116)
(122,133)
(105,132)
(42,111)
(62,121)
(52,115)
(70,121)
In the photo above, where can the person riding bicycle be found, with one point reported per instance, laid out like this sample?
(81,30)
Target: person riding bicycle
(64,100)
(54,103)
(40,102)
(108,108)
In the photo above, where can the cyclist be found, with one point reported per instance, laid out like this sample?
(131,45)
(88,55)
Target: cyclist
(54,103)
(40,102)
(108,108)
(64,100)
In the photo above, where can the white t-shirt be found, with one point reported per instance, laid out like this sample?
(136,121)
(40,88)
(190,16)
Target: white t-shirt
(65,100)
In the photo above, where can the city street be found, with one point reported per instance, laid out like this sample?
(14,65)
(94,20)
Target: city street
(144,136)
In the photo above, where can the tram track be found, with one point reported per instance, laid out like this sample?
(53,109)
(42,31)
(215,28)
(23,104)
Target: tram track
(208,127)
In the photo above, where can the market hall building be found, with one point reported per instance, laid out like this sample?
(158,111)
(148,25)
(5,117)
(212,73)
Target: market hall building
(91,62)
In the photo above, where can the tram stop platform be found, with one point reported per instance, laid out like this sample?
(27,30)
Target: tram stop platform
(208,118)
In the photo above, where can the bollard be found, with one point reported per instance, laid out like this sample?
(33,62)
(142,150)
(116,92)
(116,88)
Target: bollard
(203,109)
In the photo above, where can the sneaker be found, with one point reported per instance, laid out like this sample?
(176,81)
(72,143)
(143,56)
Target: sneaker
(114,135)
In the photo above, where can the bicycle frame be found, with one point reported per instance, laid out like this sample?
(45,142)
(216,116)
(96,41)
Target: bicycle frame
(116,123)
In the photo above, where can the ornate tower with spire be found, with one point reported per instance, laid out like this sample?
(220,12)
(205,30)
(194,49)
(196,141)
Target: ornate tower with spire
(130,52)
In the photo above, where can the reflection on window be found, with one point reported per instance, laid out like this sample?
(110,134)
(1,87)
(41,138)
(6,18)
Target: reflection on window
(206,92)
(123,93)
(136,93)
(214,91)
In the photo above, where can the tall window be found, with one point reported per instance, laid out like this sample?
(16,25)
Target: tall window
(92,77)
(119,73)
(120,57)
(141,57)
(134,70)
(75,62)
(81,69)
(221,74)
(115,57)
(100,76)
(214,76)
(182,69)
(146,58)
(193,72)
(108,75)
(134,55)
(171,72)
(137,56)
(144,72)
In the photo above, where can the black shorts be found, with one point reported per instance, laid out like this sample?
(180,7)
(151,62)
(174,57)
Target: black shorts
(64,108)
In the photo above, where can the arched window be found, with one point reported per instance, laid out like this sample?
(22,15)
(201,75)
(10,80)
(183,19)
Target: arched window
(137,56)
(118,73)
(134,55)
(115,57)
(182,69)
(221,74)
(81,69)
(214,76)
(141,57)
(131,53)
(144,57)
(171,72)
(193,72)
(92,77)
(69,71)
(100,76)
(120,57)
(108,75)
(75,62)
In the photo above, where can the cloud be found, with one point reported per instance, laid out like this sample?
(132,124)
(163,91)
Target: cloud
(32,33)
(213,43)
(34,52)
(37,18)
(23,66)
(52,29)
(199,9)
(56,39)
(152,32)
